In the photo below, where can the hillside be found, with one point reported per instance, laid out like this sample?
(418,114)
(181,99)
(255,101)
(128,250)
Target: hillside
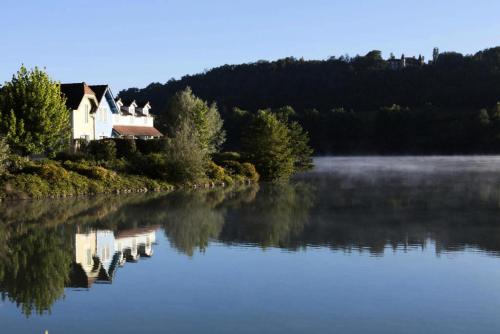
(452,89)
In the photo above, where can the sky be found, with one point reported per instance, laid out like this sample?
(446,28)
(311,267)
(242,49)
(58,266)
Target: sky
(131,43)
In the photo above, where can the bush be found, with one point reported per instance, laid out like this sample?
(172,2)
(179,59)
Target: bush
(215,172)
(104,149)
(151,145)
(16,163)
(94,172)
(218,158)
(125,148)
(71,156)
(153,165)
(248,170)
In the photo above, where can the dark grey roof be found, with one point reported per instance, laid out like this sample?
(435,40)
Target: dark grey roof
(99,91)
(74,93)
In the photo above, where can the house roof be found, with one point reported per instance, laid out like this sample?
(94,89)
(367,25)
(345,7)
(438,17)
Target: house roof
(142,104)
(136,131)
(99,91)
(74,93)
(126,102)
(136,231)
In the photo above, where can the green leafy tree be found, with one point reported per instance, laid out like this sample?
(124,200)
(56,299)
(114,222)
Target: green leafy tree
(267,144)
(185,160)
(33,114)
(205,118)
(299,140)
(4,155)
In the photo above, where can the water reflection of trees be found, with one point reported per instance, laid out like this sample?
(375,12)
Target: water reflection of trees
(350,214)
(276,217)
(34,268)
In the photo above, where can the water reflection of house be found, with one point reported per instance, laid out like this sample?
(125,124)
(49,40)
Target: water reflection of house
(98,254)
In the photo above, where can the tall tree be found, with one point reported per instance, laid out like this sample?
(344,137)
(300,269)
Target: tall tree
(185,106)
(4,154)
(266,143)
(33,114)
(185,160)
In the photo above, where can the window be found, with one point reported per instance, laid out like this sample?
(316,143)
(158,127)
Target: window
(89,257)
(86,114)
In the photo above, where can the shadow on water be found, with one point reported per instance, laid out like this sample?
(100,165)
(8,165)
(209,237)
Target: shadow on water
(47,246)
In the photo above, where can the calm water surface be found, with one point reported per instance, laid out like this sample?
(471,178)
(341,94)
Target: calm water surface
(359,245)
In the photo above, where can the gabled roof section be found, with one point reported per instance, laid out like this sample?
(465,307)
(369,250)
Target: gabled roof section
(128,102)
(74,93)
(99,91)
(142,104)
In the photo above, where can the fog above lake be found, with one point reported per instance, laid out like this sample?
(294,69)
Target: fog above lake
(407,164)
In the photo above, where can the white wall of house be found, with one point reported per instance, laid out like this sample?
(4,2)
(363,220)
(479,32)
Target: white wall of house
(83,120)
(104,119)
(130,120)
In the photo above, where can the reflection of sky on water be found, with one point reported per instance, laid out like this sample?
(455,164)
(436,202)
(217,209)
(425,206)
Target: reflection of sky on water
(347,251)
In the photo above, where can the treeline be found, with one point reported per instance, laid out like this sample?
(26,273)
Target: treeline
(39,158)
(359,104)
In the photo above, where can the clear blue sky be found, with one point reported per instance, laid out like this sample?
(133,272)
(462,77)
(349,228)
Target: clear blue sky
(130,43)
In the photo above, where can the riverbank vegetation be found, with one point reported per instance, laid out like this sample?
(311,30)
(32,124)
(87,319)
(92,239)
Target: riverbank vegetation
(361,104)
(36,160)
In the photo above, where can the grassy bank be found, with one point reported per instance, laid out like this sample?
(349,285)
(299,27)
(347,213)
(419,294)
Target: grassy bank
(51,179)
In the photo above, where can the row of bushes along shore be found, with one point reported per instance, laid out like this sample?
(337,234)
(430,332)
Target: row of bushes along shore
(100,169)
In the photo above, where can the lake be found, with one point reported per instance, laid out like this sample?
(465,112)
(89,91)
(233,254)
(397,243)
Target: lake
(358,245)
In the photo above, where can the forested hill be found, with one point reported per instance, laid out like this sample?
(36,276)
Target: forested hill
(452,85)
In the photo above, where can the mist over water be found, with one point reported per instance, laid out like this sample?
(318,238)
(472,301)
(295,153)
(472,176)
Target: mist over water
(359,244)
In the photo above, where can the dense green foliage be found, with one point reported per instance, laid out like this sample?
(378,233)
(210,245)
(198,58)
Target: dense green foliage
(339,101)
(186,108)
(185,159)
(33,114)
(4,155)
(267,144)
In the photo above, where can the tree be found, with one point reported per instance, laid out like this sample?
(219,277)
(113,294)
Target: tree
(299,139)
(185,159)
(4,154)
(299,142)
(267,144)
(185,106)
(33,114)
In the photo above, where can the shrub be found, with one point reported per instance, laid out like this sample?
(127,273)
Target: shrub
(104,149)
(125,148)
(233,167)
(218,158)
(71,156)
(248,170)
(244,170)
(215,172)
(151,146)
(153,165)
(94,172)
(16,163)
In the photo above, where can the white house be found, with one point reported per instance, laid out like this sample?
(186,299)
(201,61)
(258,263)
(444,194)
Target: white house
(95,114)
(106,109)
(98,254)
(82,102)
(134,120)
